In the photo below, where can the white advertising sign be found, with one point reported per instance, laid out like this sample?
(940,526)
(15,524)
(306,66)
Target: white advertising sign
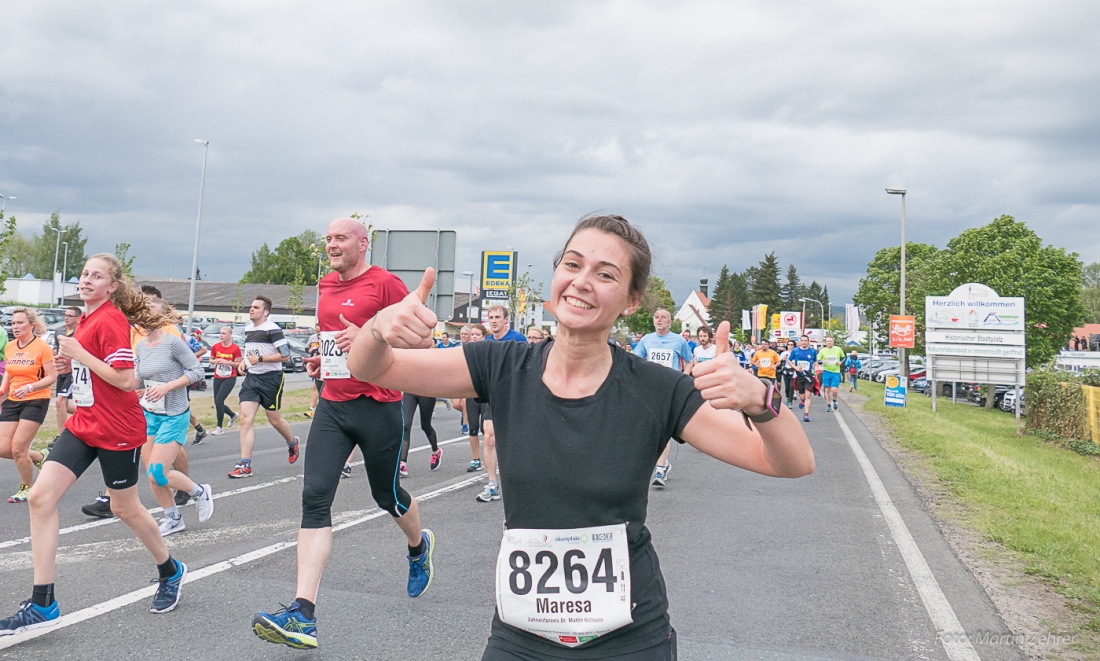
(974,337)
(974,307)
(975,350)
(790,322)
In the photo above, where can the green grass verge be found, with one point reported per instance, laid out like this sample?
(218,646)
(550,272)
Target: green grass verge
(1032,496)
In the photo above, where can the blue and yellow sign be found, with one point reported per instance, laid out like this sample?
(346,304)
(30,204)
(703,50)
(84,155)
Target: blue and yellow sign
(895,392)
(498,269)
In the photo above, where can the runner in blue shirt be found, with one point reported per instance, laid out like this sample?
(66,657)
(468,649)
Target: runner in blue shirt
(802,359)
(671,351)
(499,331)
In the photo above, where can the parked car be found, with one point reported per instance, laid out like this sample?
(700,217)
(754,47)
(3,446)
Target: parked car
(874,363)
(919,384)
(914,372)
(1008,402)
(978,394)
(298,354)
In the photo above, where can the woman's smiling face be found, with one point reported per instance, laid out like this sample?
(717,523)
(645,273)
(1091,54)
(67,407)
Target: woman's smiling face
(591,285)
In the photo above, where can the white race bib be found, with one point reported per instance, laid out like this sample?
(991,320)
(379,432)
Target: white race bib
(82,385)
(765,362)
(662,356)
(803,365)
(152,407)
(831,360)
(568,586)
(334,362)
(223,371)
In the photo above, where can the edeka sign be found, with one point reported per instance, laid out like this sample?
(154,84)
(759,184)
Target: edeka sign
(903,330)
(895,392)
(498,269)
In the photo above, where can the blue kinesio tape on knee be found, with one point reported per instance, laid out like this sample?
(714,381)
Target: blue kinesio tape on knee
(157,471)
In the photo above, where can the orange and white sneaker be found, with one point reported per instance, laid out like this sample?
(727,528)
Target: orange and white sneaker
(241,470)
(292,450)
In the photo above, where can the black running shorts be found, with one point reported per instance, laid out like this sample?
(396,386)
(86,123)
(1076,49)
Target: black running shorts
(267,389)
(119,467)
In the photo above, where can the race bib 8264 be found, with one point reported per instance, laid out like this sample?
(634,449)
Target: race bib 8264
(569,586)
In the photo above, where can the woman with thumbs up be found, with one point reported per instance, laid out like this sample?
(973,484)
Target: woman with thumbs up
(580,424)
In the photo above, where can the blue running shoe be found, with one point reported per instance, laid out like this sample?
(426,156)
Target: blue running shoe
(466,430)
(168,592)
(287,626)
(420,567)
(30,616)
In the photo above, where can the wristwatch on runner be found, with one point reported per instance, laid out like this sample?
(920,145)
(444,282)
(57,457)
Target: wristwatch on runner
(773,404)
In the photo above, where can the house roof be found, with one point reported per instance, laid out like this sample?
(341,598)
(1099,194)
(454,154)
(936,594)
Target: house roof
(228,297)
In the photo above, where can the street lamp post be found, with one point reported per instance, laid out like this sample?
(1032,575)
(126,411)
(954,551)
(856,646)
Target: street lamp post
(198,222)
(64,270)
(4,201)
(470,300)
(53,273)
(814,300)
(903,362)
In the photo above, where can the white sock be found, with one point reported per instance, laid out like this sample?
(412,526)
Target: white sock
(197,491)
(172,512)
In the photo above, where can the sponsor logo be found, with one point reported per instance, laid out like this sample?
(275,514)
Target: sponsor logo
(603,536)
(348,303)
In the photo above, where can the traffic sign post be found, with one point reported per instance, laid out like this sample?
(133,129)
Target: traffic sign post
(974,335)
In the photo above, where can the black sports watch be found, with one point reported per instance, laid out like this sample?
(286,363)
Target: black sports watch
(773,404)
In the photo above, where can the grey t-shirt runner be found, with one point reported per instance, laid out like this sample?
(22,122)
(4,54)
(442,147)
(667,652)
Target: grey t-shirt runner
(170,359)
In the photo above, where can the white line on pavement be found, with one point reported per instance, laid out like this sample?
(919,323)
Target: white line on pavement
(209,570)
(224,494)
(948,629)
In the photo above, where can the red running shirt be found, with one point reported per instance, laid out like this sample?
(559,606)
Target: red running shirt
(232,352)
(115,420)
(358,299)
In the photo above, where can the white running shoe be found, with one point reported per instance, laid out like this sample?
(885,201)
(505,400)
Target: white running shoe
(232,421)
(660,474)
(217,431)
(204,503)
(168,525)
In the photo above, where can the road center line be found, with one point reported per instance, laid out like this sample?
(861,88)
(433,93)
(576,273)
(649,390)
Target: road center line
(120,601)
(948,629)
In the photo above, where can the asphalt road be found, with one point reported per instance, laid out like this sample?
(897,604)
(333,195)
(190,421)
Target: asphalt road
(844,564)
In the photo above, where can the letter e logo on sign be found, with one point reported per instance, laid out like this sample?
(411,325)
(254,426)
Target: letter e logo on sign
(497,269)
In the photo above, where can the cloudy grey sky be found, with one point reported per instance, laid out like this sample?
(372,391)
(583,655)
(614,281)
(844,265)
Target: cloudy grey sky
(725,130)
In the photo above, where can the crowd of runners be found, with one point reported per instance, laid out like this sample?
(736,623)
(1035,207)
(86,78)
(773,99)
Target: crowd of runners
(571,431)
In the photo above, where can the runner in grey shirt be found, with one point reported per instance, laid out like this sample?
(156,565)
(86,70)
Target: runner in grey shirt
(165,366)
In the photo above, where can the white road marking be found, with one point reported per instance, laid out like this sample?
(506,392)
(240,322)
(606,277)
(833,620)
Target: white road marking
(949,630)
(120,601)
(223,494)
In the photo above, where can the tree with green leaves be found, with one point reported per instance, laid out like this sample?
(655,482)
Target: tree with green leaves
(879,291)
(791,290)
(1090,292)
(6,236)
(765,283)
(35,255)
(295,302)
(656,296)
(237,303)
(731,295)
(523,292)
(125,260)
(1007,256)
(282,265)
